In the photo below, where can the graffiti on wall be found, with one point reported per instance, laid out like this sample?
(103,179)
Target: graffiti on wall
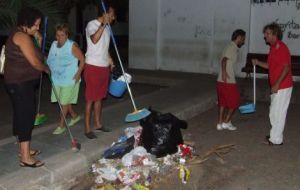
(290,28)
(201,31)
(295,3)
(284,13)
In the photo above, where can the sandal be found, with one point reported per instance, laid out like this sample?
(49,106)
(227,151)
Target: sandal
(268,142)
(33,153)
(102,129)
(35,164)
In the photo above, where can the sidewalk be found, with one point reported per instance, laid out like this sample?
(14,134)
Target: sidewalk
(186,96)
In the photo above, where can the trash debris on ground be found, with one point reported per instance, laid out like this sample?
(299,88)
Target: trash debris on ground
(184,174)
(130,164)
(139,170)
(185,150)
(118,149)
(136,132)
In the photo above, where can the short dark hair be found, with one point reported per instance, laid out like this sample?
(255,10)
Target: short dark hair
(237,33)
(100,8)
(62,27)
(27,16)
(275,29)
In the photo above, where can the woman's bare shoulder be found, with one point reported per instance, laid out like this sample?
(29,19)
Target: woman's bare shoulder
(20,37)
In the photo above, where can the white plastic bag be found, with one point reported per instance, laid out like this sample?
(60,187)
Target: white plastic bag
(131,158)
(136,132)
(109,173)
(128,77)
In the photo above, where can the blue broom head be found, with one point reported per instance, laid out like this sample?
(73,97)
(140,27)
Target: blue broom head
(137,115)
(248,108)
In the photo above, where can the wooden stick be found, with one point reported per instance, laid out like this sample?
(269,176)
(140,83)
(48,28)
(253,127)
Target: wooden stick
(225,146)
(218,150)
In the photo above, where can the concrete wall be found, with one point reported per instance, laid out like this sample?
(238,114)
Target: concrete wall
(286,14)
(184,35)
(143,17)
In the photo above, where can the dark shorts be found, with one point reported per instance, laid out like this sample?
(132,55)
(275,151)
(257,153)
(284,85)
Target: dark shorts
(228,95)
(23,99)
(96,82)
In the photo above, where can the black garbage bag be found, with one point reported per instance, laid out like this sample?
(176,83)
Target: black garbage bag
(161,133)
(119,149)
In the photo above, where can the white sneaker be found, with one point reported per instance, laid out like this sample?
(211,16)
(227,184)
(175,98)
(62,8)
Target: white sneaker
(229,126)
(219,127)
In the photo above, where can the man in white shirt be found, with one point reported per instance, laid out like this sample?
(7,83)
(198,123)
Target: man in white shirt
(97,69)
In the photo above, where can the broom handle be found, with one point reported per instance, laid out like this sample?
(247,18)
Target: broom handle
(116,48)
(254,84)
(45,34)
(40,93)
(43,51)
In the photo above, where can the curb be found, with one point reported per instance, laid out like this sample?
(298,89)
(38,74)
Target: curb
(52,176)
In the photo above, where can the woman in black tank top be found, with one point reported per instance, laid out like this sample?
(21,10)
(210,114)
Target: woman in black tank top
(24,63)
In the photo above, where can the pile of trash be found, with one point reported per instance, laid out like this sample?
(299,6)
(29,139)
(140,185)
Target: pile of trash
(155,148)
(138,169)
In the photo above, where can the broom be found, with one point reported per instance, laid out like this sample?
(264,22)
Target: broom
(41,118)
(136,114)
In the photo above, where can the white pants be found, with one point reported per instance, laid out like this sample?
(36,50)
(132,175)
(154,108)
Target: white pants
(278,109)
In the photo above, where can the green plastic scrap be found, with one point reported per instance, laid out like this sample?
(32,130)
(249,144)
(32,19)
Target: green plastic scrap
(140,187)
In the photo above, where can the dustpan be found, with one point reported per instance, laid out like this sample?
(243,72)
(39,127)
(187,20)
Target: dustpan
(250,108)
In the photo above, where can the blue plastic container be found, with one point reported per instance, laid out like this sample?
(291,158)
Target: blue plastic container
(117,88)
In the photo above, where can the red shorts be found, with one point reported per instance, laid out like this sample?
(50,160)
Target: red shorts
(228,95)
(96,82)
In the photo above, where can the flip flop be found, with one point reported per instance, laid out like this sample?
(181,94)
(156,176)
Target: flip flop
(268,142)
(33,153)
(36,164)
